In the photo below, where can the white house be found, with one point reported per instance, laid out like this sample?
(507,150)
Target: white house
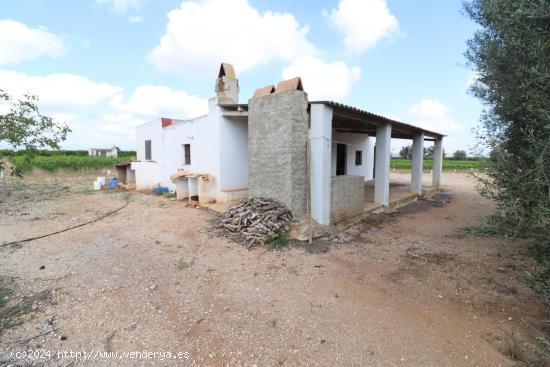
(104,152)
(279,145)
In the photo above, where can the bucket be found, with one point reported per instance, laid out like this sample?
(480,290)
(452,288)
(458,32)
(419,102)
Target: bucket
(113,182)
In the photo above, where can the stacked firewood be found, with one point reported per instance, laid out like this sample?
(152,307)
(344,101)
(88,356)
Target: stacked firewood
(257,220)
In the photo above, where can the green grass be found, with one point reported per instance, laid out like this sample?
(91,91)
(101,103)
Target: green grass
(279,242)
(69,162)
(447,164)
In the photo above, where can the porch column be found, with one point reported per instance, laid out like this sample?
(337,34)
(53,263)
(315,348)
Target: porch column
(437,163)
(320,135)
(417,163)
(383,155)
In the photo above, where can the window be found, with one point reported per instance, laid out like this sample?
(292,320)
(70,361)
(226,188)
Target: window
(358,157)
(148,150)
(187,153)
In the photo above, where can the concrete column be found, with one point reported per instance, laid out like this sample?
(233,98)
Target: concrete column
(320,135)
(383,155)
(417,163)
(437,163)
(369,159)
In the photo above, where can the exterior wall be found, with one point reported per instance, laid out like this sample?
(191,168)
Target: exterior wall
(356,142)
(277,137)
(218,148)
(148,175)
(149,131)
(233,154)
(202,134)
(347,197)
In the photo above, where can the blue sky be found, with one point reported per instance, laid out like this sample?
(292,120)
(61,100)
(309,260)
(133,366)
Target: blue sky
(105,66)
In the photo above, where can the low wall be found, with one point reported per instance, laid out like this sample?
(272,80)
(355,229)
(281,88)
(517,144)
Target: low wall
(347,197)
(147,175)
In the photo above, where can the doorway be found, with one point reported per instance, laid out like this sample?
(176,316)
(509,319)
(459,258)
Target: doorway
(341,151)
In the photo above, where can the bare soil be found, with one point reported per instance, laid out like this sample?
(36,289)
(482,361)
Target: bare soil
(401,289)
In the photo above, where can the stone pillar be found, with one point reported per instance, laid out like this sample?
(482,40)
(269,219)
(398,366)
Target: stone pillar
(417,163)
(320,135)
(437,163)
(277,137)
(383,155)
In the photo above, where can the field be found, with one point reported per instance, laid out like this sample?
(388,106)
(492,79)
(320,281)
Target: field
(65,160)
(75,160)
(448,164)
(405,288)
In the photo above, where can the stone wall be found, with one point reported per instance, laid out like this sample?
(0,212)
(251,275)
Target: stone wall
(277,136)
(347,197)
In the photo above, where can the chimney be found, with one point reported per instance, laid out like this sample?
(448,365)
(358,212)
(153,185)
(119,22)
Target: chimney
(227,85)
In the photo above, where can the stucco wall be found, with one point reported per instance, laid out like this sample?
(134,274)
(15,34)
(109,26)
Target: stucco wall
(218,148)
(277,136)
(356,142)
(347,197)
(233,154)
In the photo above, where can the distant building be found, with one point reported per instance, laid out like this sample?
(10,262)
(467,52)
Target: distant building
(104,152)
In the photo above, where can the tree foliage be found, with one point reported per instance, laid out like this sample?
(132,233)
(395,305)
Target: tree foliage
(24,127)
(459,155)
(511,57)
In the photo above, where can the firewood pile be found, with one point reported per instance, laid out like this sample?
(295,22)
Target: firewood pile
(257,220)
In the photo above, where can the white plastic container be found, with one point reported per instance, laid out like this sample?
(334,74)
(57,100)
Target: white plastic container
(101,180)
(97,185)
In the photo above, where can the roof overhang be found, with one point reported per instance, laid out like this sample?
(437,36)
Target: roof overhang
(354,120)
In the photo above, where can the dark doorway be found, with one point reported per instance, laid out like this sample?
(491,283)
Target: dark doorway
(341,159)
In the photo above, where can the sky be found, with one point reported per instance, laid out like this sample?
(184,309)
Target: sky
(107,66)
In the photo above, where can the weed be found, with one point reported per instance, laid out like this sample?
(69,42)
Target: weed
(279,242)
(169,195)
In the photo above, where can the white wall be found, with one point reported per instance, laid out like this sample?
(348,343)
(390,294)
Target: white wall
(149,131)
(219,148)
(202,134)
(354,143)
(233,142)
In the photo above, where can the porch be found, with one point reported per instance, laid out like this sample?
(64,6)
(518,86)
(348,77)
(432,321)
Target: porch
(350,162)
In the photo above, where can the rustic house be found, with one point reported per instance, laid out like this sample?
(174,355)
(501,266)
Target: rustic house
(281,145)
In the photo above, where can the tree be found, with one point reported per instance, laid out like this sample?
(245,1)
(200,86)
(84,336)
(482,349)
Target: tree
(459,155)
(510,54)
(24,127)
(406,152)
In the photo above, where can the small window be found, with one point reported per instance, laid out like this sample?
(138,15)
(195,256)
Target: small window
(148,150)
(358,157)
(187,152)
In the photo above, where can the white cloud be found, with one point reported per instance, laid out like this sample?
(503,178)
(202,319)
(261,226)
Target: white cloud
(135,19)
(65,91)
(323,80)
(433,115)
(364,23)
(151,101)
(19,42)
(81,103)
(121,6)
(200,35)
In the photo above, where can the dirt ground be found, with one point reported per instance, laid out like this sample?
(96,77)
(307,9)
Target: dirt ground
(404,289)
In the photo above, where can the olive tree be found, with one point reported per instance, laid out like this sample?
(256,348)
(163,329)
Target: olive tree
(511,58)
(22,126)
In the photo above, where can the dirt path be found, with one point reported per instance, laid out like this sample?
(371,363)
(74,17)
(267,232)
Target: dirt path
(406,291)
